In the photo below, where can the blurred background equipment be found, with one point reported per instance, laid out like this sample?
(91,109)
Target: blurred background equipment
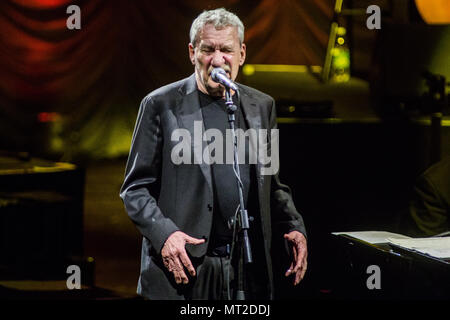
(41,220)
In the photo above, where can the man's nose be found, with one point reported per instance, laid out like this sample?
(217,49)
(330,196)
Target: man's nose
(218,59)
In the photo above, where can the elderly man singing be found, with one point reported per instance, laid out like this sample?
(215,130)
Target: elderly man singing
(183,208)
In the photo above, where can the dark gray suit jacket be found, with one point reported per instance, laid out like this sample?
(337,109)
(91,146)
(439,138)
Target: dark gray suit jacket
(161,197)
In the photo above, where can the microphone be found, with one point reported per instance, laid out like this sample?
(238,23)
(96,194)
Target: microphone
(220,76)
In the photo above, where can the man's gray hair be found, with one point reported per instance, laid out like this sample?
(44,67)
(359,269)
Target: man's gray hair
(219,18)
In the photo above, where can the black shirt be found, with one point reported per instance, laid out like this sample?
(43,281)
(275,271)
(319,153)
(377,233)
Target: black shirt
(225,188)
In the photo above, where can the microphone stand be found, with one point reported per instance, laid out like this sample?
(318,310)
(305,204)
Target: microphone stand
(245,252)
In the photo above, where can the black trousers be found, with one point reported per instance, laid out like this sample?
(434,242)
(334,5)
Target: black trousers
(216,280)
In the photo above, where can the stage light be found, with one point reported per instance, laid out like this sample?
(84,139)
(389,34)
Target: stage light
(48,116)
(434,11)
(340,55)
(248,70)
(43,4)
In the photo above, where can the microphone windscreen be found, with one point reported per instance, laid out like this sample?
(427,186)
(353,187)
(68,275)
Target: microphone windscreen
(216,72)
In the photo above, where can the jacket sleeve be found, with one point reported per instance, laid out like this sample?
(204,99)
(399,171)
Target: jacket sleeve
(140,189)
(285,217)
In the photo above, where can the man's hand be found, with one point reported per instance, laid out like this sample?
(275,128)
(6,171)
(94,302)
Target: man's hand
(299,255)
(175,257)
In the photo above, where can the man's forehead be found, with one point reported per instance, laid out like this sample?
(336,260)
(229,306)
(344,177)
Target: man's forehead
(209,34)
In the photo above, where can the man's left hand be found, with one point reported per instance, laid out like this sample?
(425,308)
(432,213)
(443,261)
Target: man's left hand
(299,255)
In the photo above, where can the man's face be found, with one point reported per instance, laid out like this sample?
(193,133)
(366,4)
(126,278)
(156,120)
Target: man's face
(216,48)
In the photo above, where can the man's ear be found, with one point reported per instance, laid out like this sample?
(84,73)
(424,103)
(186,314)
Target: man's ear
(191,53)
(243,54)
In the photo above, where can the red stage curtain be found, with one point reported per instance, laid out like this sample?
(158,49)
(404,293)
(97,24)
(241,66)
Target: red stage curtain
(95,77)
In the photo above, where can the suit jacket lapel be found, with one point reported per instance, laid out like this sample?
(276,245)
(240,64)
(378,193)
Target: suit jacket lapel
(191,118)
(253,119)
(250,108)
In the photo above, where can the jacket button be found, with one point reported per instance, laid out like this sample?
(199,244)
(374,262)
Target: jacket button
(209,207)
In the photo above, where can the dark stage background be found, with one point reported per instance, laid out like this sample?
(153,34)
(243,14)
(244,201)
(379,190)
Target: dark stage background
(350,151)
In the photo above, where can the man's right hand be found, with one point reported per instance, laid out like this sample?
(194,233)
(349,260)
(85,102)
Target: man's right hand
(175,257)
